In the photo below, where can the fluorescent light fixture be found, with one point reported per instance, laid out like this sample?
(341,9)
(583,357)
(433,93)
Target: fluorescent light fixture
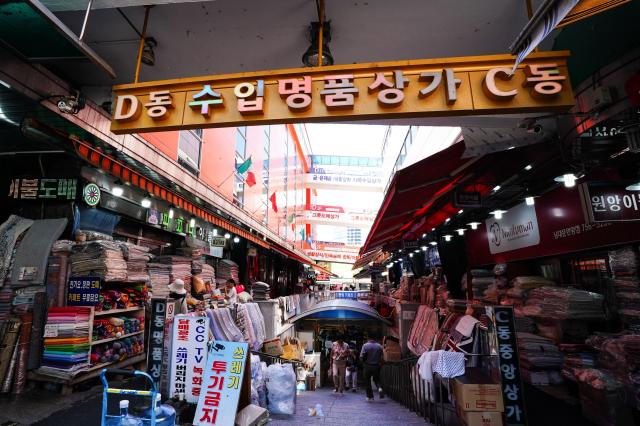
(448,237)
(498,213)
(5,84)
(496,188)
(634,187)
(433,243)
(146,203)
(447,220)
(236,240)
(410,254)
(424,235)
(192,222)
(171,212)
(215,232)
(424,248)
(227,235)
(416,251)
(460,211)
(117,191)
(473,225)
(528,167)
(461,231)
(569,179)
(530,201)
(511,147)
(433,229)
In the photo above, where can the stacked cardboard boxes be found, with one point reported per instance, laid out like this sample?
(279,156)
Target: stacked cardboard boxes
(478,399)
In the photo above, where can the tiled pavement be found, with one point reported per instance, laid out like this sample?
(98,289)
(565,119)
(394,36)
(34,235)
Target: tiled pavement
(349,409)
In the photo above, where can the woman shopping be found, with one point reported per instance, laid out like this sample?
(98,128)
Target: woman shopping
(340,352)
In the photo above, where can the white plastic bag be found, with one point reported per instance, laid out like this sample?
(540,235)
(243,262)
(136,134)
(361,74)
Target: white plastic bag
(281,389)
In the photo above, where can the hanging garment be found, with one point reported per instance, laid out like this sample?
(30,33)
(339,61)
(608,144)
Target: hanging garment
(9,233)
(423,330)
(449,364)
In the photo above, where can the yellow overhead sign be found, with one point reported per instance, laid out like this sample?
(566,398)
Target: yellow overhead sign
(477,85)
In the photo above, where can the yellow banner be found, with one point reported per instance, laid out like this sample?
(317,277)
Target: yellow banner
(478,85)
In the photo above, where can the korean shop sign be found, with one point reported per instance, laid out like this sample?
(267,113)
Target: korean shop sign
(476,85)
(43,189)
(156,337)
(83,291)
(223,379)
(188,356)
(507,348)
(608,202)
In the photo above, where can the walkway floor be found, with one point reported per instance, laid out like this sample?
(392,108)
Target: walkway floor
(349,409)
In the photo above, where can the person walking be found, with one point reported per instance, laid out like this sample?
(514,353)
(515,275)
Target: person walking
(371,355)
(339,355)
(352,369)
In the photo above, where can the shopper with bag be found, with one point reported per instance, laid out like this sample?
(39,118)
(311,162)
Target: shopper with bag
(339,355)
(352,369)
(372,357)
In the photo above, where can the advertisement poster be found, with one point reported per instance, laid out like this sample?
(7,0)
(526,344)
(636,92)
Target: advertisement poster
(517,228)
(188,356)
(83,291)
(223,376)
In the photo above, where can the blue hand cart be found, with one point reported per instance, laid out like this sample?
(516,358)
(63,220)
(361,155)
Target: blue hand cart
(106,390)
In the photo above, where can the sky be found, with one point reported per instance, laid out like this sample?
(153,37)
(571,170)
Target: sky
(362,140)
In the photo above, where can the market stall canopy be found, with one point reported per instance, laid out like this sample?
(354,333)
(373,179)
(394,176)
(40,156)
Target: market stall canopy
(421,196)
(336,309)
(367,258)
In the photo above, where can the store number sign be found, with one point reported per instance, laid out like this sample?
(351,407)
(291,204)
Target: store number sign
(512,389)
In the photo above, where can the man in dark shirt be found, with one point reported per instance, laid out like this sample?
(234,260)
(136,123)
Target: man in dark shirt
(371,355)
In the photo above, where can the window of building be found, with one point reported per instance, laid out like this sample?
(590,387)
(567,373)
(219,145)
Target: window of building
(189,149)
(354,236)
(241,142)
(238,190)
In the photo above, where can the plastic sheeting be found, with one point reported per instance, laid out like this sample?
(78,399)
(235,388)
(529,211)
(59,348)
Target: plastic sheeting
(281,389)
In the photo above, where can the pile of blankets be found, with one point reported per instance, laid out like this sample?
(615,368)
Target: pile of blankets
(227,269)
(540,359)
(223,326)
(576,357)
(423,330)
(208,274)
(564,303)
(260,291)
(99,258)
(624,267)
(480,281)
(180,268)
(250,321)
(137,258)
(160,278)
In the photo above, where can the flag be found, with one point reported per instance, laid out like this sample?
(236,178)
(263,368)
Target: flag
(274,203)
(251,179)
(243,167)
(302,234)
(291,217)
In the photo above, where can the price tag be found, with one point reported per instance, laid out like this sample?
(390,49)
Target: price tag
(51,330)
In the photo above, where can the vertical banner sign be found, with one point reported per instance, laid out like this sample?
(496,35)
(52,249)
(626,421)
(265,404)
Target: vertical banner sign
(223,376)
(156,338)
(188,356)
(512,389)
(83,291)
(166,350)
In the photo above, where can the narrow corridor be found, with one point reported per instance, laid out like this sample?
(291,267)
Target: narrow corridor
(350,409)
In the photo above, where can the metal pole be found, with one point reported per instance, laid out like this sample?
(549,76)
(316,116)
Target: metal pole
(86,18)
(321,33)
(142,40)
(529,16)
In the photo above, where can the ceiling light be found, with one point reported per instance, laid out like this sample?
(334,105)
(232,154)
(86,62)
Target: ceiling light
(433,243)
(498,213)
(447,237)
(461,231)
(148,55)
(227,235)
(215,232)
(117,189)
(146,203)
(236,240)
(447,220)
(569,179)
(410,254)
(416,251)
(5,84)
(473,225)
(310,57)
(424,248)
(530,201)
(390,265)
(460,211)
(171,212)
(511,147)
(528,167)
(496,188)
(192,221)
(424,235)
(634,187)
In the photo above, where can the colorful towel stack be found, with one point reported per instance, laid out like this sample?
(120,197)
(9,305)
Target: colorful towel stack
(66,344)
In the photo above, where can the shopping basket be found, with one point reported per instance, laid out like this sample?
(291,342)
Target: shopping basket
(106,390)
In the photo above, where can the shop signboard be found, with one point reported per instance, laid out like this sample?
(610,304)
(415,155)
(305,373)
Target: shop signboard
(608,202)
(477,85)
(166,350)
(507,347)
(43,189)
(335,218)
(188,356)
(345,170)
(224,376)
(335,246)
(218,241)
(467,200)
(344,181)
(156,338)
(83,291)
(331,256)
(517,228)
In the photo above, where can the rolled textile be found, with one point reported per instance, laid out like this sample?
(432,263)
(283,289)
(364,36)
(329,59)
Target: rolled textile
(10,231)
(8,380)
(23,354)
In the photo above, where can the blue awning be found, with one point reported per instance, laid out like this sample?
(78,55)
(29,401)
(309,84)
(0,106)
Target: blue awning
(341,309)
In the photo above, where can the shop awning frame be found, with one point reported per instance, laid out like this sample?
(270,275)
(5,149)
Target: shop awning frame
(344,305)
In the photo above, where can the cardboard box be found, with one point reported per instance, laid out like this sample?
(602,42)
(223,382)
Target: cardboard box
(475,391)
(273,347)
(479,418)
